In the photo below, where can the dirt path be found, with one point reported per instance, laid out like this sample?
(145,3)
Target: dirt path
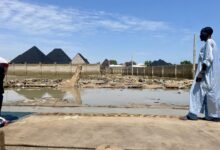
(74,80)
(73,131)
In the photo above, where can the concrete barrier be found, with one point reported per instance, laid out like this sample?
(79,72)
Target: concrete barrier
(174,71)
(51,69)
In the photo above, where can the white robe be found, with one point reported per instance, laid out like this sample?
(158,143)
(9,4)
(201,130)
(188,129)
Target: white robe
(209,88)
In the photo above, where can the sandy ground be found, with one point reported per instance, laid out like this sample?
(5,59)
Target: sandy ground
(85,132)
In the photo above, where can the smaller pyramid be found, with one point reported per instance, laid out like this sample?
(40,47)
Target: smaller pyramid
(31,56)
(79,60)
(59,56)
(160,62)
(105,63)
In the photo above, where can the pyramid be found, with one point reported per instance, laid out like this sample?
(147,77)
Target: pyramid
(160,62)
(79,60)
(59,56)
(32,56)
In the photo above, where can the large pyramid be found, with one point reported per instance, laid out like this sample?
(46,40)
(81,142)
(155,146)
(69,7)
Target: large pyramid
(59,56)
(32,56)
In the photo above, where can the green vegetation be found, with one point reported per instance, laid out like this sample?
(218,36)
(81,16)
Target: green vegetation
(185,62)
(148,63)
(113,62)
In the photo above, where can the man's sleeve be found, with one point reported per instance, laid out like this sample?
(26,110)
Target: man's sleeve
(208,55)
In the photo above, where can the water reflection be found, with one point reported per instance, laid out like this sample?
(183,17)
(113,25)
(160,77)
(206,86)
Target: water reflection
(39,93)
(72,94)
(100,97)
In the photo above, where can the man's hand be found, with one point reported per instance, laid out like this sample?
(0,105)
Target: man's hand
(199,77)
(201,73)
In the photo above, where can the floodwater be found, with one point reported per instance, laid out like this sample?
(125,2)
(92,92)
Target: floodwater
(98,97)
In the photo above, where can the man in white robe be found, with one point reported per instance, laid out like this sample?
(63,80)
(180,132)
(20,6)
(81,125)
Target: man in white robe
(205,90)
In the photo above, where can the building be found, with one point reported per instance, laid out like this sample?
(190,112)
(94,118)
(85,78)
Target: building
(139,66)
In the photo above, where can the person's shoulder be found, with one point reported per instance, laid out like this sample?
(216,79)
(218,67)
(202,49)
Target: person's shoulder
(211,42)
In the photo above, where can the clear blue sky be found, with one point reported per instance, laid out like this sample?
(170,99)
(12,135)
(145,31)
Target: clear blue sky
(113,29)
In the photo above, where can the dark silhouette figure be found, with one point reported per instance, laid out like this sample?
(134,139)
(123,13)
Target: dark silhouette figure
(2,76)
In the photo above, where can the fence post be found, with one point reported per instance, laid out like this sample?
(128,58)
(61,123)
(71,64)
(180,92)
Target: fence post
(55,68)
(193,71)
(175,71)
(86,70)
(13,68)
(162,71)
(152,71)
(26,68)
(71,69)
(40,69)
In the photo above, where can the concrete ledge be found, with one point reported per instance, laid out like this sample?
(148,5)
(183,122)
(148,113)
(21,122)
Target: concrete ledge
(64,131)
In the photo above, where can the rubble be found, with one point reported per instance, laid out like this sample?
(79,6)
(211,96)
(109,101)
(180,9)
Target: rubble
(34,82)
(105,81)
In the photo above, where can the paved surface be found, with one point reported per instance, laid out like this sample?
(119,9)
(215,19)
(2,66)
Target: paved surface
(147,111)
(81,132)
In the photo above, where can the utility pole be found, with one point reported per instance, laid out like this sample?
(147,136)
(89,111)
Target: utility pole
(194,55)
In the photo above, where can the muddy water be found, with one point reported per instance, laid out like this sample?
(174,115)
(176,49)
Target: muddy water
(97,97)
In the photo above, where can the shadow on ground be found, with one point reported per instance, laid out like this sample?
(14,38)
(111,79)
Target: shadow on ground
(13,116)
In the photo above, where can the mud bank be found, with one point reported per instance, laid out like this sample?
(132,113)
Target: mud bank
(105,81)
